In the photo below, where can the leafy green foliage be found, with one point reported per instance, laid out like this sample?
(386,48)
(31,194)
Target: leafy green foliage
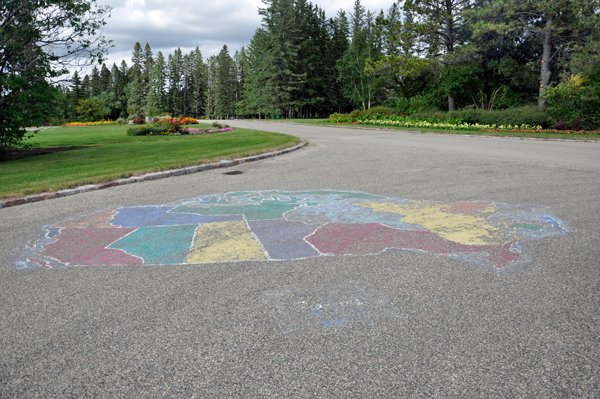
(90,109)
(147,130)
(576,103)
(38,40)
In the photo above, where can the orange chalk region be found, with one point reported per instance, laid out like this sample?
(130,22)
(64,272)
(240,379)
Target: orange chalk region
(460,228)
(223,242)
(465,207)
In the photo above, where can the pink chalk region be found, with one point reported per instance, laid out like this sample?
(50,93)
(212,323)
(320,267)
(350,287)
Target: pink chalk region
(286,225)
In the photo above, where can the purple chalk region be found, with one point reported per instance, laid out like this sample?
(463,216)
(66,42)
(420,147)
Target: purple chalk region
(284,239)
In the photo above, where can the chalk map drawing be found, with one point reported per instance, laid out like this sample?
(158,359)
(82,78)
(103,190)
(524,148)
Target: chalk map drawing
(286,225)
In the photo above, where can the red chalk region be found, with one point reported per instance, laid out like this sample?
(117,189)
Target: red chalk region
(374,238)
(465,207)
(87,247)
(97,219)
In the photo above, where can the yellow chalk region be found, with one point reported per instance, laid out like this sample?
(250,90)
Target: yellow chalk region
(456,227)
(225,241)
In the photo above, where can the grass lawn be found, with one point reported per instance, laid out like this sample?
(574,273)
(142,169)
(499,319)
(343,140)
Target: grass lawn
(111,154)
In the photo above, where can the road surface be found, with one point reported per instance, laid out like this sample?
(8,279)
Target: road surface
(378,264)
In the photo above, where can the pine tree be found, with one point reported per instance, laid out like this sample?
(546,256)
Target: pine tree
(255,99)
(281,56)
(357,86)
(175,93)
(96,86)
(558,26)
(105,78)
(137,98)
(86,86)
(340,32)
(76,94)
(211,85)
(157,98)
(198,84)
(443,29)
(226,85)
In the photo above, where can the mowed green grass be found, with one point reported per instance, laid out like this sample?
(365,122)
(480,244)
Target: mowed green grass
(111,154)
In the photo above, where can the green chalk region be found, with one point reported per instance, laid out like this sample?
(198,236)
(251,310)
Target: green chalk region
(159,245)
(268,209)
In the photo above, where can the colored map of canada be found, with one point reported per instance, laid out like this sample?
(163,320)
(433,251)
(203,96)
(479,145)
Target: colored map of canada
(286,225)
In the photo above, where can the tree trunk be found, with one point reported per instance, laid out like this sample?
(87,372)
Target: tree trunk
(451,103)
(546,71)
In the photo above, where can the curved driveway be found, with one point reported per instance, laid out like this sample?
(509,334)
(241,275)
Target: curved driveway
(403,323)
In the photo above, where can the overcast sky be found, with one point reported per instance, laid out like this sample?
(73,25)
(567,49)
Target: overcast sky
(190,23)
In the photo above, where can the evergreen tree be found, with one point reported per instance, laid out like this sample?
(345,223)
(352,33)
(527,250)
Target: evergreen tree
(358,86)
(211,85)
(120,88)
(340,33)
(105,78)
(96,85)
(282,81)
(442,27)
(157,97)
(76,94)
(175,80)
(225,84)
(255,98)
(313,48)
(198,84)
(137,95)
(86,86)
(558,27)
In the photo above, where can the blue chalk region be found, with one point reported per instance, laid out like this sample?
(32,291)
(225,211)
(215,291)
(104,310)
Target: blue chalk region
(141,216)
(284,239)
(529,221)
(158,245)
(346,211)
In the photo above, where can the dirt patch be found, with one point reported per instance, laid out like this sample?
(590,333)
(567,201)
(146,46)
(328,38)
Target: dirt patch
(30,152)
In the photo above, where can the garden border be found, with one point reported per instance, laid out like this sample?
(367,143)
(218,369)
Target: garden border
(224,163)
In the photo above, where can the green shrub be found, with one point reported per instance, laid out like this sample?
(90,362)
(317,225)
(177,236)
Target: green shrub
(380,111)
(218,125)
(416,104)
(147,130)
(576,104)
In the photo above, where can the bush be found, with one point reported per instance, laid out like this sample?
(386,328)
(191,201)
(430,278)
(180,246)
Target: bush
(90,109)
(139,121)
(120,121)
(57,122)
(147,130)
(218,125)
(575,104)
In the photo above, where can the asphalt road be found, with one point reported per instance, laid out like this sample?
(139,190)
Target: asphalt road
(437,327)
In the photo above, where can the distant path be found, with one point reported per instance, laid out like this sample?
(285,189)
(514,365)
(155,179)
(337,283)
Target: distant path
(323,316)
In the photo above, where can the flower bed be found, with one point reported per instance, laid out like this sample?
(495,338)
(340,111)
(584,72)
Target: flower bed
(451,124)
(181,121)
(88,123)
(195,131)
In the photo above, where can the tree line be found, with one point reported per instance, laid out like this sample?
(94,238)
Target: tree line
(418,54)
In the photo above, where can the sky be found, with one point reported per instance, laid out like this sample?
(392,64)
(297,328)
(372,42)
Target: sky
(190,23)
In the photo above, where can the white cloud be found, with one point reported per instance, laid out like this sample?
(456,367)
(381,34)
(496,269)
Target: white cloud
(190,23)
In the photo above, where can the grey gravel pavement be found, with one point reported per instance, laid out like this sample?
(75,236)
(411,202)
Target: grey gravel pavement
(439,326)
